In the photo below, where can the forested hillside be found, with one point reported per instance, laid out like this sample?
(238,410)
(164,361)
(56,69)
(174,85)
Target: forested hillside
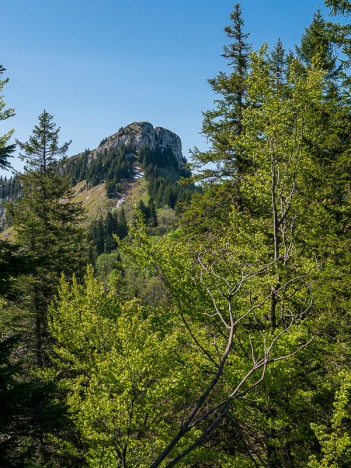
(222,340)
(134,151)
(138,164)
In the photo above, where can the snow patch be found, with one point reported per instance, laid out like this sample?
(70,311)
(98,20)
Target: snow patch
(121,201)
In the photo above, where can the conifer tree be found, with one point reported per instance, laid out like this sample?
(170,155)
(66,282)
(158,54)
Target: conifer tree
(339,6)
(153,213)
(5,149)
(279,65)
(47,222)
(317,41)
(225,121)
(111,227)
(319,45)
(122,226)
(221,167)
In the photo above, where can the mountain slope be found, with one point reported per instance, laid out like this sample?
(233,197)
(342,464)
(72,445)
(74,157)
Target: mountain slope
(137,151)
(137,163)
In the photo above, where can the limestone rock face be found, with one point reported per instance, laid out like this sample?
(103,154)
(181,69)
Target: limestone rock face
(139,134)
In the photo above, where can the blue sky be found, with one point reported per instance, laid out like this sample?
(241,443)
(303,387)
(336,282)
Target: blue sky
(98,65)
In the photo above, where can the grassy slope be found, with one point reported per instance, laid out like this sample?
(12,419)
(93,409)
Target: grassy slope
(94,200)
(9,234)
(96,204)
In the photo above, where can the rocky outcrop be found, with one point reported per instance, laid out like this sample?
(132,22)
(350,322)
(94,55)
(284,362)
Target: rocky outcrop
(140,134)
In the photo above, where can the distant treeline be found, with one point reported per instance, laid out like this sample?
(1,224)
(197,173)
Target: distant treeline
(9,188)
(101,230)
(162,172)
(111,166)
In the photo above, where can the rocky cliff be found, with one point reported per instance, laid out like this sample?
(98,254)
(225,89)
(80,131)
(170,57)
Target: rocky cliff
(139,134)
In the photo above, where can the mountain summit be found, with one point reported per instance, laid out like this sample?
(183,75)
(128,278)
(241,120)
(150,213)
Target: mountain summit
(139,135)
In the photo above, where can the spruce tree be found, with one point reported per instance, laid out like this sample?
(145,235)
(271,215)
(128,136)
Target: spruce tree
(278,63)
(122,226)
(47,223)
(225,121)
(111,226)
(339,6)
(153,213)
(5,149)
(317,41)
(223,164)
(319,45)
